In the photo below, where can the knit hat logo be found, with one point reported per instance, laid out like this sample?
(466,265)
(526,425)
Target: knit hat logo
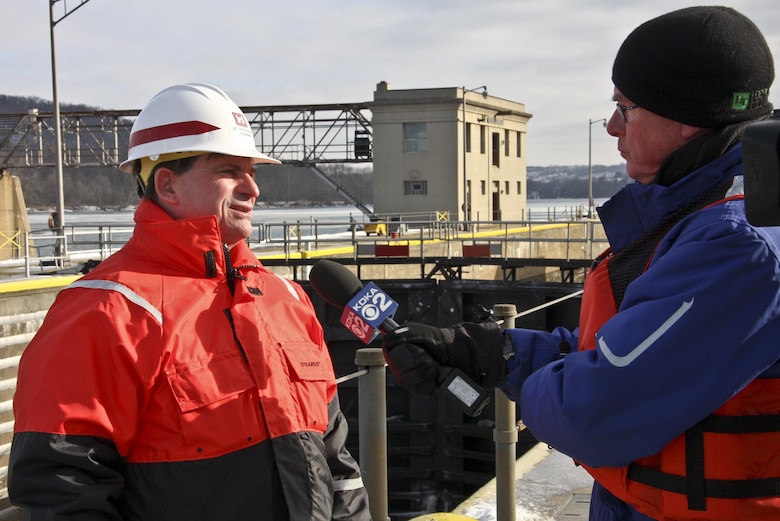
(741,101)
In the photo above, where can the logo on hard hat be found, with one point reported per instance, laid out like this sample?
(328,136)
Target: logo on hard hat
(240,119)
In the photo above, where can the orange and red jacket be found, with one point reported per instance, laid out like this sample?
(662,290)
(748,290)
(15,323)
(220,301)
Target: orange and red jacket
(195,382)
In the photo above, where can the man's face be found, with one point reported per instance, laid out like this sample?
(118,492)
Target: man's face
(645,139)
(217,185)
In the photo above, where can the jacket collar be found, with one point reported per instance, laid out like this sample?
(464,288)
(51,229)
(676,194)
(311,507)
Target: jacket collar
(193,246)
(638,208)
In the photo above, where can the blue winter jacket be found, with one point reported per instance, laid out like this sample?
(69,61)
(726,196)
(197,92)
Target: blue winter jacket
(604,415)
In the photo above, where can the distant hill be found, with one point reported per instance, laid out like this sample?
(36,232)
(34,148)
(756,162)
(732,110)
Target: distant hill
(107,188)
(571,182)
(21,104)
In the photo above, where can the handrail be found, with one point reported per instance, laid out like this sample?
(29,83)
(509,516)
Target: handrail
(506,240)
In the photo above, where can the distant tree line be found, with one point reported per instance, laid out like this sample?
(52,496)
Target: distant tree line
(576,188)
(109,188)
(21,104)
(571,182)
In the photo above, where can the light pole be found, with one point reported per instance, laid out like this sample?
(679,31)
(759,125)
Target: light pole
(57,120)
(591,206)
(466,198)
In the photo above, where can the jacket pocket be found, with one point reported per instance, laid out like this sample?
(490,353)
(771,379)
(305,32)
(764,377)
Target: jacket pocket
(311,379)
(306,361)
(206,381)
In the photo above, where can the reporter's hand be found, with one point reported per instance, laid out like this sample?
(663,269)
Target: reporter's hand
(415,353)
(413,368)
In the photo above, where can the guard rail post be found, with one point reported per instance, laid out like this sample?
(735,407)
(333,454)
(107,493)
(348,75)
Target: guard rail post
(505,435)
(372,430)
(26,247)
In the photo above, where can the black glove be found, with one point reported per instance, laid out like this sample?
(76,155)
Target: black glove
(416,352)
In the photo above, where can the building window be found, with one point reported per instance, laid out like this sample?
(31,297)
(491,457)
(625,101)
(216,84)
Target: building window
(518,135)
(506,187)
(415,137)
(482,139)
(415,187)
(496,148)
(519,188)
(506,143)
(482,187)
(468,137)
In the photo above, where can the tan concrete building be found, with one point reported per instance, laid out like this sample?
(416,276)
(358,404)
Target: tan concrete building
(436,149)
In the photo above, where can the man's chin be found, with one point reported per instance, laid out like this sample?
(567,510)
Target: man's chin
(234,237)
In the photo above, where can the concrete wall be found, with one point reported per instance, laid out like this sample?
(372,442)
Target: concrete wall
(21,314)
(13,216)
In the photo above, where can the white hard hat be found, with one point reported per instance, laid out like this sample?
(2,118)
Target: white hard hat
(190,119)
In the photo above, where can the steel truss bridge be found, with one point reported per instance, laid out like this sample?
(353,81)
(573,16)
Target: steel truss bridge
(298,135)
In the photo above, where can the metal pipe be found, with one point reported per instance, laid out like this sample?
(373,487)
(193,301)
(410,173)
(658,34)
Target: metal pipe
(57,131)
(505,435)
(372,430)
(591,205)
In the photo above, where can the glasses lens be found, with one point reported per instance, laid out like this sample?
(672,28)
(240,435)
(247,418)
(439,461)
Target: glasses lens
(622,111)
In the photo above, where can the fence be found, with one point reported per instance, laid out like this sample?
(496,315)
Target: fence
(79,245)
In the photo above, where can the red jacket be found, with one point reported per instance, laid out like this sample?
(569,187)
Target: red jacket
(197,376)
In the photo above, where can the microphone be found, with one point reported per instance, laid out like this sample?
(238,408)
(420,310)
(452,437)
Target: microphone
(368,311)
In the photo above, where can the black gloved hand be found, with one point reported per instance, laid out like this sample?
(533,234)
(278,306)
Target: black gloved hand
(416,352)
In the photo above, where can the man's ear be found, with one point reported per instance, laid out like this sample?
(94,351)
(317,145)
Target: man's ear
(164,186)
(688,132)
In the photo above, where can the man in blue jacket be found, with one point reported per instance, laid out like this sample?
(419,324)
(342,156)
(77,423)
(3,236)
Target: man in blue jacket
(668,392)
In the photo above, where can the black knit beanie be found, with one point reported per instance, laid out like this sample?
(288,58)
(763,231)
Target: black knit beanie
(702,66)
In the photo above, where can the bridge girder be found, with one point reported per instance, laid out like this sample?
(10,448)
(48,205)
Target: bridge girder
(295,134)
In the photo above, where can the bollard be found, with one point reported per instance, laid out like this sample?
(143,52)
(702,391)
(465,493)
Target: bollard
(372,430)
(505,435)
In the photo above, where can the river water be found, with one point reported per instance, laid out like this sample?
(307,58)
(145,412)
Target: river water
(539,209)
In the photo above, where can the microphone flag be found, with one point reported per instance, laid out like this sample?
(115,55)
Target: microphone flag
(367,311)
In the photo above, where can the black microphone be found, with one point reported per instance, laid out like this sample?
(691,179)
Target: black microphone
(368,310)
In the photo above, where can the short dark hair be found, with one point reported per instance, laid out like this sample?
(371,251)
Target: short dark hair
(177,166)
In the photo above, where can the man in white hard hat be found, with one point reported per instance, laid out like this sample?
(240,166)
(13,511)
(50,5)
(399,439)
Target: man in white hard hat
(183,380)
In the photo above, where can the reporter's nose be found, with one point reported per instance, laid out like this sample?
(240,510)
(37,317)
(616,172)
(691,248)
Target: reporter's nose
(615,125)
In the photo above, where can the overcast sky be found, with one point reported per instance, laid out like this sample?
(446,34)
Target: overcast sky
(555,56)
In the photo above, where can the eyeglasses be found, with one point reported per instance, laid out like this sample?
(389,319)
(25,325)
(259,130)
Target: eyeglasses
(623,109)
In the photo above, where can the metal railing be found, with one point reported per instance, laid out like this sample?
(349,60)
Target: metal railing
(40,250)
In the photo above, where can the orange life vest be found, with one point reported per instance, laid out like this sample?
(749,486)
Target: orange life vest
(727,467)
